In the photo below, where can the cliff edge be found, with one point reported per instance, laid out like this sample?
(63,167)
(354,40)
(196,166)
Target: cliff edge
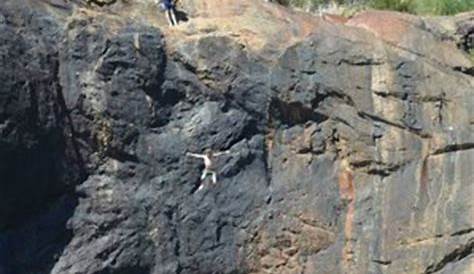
(351,140)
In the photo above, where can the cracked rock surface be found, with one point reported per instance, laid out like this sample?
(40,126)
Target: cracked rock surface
(352,141)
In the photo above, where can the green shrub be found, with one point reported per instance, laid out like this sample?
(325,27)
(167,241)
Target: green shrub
(424,7)
(442,7)
(398,5)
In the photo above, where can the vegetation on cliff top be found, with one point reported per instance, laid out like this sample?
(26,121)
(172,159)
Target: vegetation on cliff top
(422,7)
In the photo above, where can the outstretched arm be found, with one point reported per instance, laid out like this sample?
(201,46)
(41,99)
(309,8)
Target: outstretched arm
(195,155)
(222,153)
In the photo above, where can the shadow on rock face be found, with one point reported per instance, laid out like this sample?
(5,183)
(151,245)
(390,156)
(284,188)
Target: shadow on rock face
(128,270)
(181,16)
(40,163)
(36,245)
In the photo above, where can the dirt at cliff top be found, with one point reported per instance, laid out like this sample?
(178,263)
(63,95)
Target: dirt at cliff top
(352,140)
(260,25)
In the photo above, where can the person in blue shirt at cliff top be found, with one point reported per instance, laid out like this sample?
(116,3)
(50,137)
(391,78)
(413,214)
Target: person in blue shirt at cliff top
(170,8)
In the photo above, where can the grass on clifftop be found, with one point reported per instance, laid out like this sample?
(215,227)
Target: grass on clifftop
(425,7)
(421,7)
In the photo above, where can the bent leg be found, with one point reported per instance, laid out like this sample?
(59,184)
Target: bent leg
(203,177)
(168,16)
(204,174)
(200,187)
(173,16)
(214,177)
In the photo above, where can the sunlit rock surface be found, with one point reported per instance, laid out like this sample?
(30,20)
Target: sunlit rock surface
(352,140)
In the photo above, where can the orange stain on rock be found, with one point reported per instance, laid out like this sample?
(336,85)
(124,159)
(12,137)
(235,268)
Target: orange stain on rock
(424,176)
(255,24)
(336,19)
(423,193)
(390,26)
(347,194)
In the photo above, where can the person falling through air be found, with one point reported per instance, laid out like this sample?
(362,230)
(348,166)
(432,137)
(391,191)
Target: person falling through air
(208,158)
(170,8)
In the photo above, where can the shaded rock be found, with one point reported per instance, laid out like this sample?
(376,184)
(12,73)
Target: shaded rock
(351,143)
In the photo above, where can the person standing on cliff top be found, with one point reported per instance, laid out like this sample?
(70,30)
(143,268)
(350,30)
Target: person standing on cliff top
(170,8)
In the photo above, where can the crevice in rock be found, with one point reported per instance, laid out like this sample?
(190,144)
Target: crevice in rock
(269,134)
(219,228)
(70,130)
(453,148)
(125,270)
(419,241)
(454,256)
(361,62)
(293,113)
(170,213)
(395,95)
(377,168)
(101,3)
(267,161)
(463,232)
(343,121)
(382,262)
(325,93)
(465,31)
(375,118)
(468,71)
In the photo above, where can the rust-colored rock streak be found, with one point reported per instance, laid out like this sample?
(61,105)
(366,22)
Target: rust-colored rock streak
(347,194)
(423,195)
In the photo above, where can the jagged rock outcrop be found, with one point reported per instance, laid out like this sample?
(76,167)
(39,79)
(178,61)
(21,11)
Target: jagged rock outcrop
(352,140)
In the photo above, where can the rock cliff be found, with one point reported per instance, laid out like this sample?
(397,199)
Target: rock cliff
(352,140)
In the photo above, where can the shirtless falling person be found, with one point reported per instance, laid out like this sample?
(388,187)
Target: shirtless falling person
(208,158)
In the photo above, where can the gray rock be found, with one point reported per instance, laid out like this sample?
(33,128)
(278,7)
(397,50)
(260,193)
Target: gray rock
(347,155)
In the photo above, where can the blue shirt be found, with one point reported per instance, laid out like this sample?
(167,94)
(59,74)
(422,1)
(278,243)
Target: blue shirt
(168,4)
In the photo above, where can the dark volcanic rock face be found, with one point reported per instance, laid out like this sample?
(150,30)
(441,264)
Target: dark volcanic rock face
(351,148)
(39,163)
